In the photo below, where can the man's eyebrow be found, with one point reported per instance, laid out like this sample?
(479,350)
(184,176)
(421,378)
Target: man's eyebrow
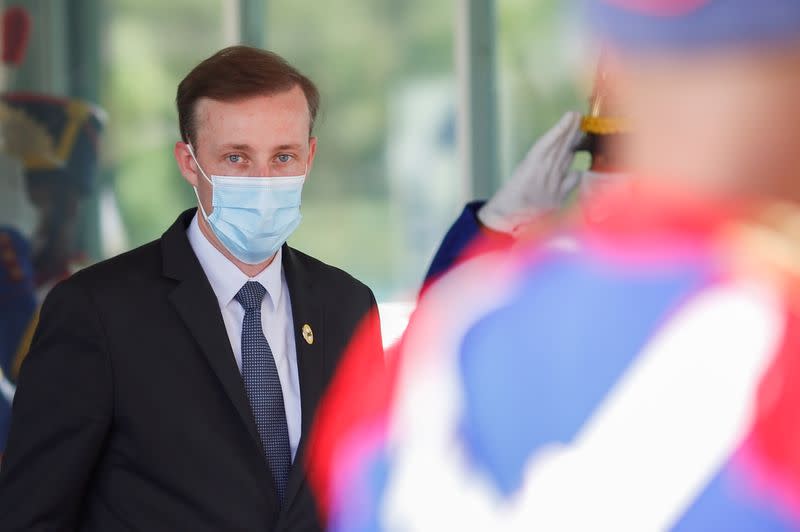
(247,147)
(289,147)
(238,147)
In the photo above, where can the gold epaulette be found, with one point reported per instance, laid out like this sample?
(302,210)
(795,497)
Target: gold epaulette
(26,139)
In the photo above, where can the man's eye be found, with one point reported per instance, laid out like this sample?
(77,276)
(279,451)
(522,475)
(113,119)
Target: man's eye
(234,158)
(284,158)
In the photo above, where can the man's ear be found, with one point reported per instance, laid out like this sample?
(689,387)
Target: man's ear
(186,163)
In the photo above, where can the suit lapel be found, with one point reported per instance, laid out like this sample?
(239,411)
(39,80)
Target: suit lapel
(194,300)
(307,311)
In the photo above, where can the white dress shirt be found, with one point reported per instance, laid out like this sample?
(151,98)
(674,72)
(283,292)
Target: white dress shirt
(276,318)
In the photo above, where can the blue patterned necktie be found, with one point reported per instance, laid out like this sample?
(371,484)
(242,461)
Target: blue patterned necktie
(263,386)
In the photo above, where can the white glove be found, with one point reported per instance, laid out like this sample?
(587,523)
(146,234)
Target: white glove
(541,182)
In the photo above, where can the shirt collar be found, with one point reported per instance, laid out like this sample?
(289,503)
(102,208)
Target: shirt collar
(225,278)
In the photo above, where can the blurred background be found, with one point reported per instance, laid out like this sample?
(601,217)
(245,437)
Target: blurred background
(425,105)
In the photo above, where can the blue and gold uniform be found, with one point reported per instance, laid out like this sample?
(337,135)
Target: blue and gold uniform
(18,308)
(56,140)
(59,150)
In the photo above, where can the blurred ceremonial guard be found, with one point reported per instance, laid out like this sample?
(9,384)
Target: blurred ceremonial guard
(56,140)
(60,165)
(18,308)
(646,379)
(48,160)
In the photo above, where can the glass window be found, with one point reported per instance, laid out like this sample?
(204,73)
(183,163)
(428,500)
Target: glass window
(540,56)
(150,46)
(385,185)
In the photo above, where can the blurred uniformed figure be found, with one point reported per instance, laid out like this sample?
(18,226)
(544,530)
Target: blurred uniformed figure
(48,158)
(647,379)
(17,219)
(60,153)
(18,308)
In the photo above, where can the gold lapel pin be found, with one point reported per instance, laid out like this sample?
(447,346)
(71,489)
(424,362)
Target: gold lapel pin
(308,334)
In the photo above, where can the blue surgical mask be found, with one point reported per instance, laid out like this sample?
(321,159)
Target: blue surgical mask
(252,216)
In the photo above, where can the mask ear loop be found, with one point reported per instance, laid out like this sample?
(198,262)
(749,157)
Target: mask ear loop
(191,152)
(199,203)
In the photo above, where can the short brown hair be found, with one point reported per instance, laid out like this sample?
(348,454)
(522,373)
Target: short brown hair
(235,73)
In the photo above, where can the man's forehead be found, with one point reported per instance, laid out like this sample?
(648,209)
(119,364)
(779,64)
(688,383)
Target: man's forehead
(279,112)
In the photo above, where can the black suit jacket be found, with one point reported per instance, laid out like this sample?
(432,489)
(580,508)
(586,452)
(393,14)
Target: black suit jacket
(131,414)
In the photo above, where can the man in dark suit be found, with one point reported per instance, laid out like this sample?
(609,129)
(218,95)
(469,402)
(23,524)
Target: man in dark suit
(173,387)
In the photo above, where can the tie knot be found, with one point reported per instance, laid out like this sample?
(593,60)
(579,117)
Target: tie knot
(250,295)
